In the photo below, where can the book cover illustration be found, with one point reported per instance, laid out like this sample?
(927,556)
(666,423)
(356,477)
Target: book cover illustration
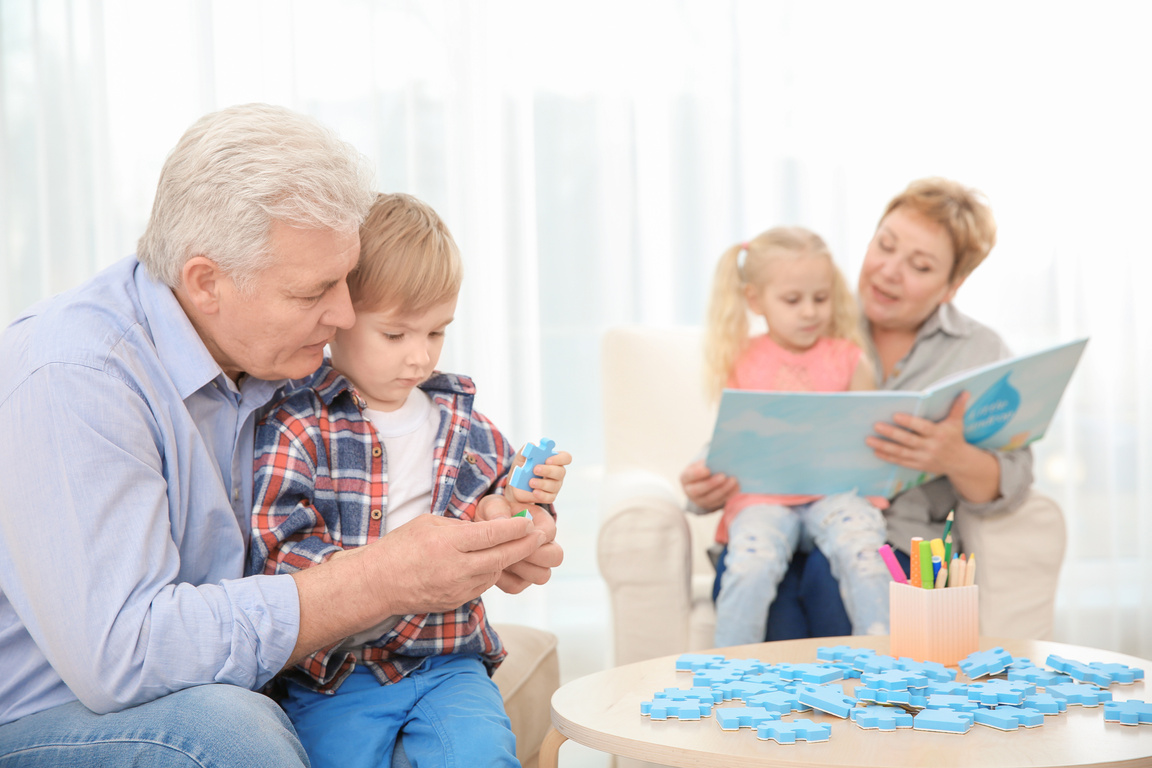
(813,442)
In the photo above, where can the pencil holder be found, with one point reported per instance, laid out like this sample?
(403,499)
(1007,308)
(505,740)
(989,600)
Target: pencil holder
(940,625)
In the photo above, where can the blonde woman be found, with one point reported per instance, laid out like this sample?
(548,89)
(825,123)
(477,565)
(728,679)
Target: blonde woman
(787,277)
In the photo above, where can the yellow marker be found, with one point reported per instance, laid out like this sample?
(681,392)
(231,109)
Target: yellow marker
(937,547)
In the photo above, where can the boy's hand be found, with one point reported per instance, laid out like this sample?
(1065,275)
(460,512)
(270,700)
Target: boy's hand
(546,481)
(537,567)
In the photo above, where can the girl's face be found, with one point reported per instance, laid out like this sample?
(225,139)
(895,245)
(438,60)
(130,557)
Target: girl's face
(906,271)
(795,300)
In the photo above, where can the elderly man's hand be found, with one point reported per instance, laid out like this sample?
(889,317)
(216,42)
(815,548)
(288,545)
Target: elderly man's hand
(436,564)
(537,567)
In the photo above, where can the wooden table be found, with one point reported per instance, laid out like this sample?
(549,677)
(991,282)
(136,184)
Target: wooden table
(602,711)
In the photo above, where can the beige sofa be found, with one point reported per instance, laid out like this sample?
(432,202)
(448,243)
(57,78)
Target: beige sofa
(527,679)
(652,554)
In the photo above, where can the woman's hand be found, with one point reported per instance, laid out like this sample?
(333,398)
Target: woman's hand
(939,448)
(707,490)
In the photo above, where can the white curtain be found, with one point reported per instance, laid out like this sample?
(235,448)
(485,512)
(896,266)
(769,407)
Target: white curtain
(594,159)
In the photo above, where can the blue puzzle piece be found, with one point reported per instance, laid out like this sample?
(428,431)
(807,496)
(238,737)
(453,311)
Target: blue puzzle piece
(691,662)
(1037,676)
(1131,712)
(943,720)
(710,678)
(876,664)
(957,703)
(742,690)
(835,652)
(735,718)
(1120,673)
(680,694)
(662,709)
(1046,703)
(948,689)
(933,670)
(990,662)
(817,674)
(533,455)
(828,698)
(1079,693)
(893,680)
(778,701)
(996,692)
(864,693)
(866,655)
(787,732)
(881,718)
(773,678)
(1079,671)
(1008,718)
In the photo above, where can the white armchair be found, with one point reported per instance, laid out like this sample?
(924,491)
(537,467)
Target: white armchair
(652,554)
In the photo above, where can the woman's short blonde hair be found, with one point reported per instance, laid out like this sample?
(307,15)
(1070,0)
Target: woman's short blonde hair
(408,259)
(962,211)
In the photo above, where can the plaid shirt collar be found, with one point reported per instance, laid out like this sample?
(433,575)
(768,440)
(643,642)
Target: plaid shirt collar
(330,384)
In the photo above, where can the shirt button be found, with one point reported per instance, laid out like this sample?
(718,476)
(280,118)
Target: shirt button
(376,514)
(235,494)
(470,458)
(376,452)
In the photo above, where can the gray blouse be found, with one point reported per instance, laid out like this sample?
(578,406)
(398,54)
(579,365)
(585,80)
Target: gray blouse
(948,342)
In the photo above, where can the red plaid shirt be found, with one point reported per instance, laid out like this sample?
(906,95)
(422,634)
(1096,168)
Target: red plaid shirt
(322,486)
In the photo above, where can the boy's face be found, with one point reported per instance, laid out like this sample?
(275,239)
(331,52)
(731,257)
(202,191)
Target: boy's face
(386,353)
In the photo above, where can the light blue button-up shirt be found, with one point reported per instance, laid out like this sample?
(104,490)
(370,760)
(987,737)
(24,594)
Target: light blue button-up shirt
(125,501)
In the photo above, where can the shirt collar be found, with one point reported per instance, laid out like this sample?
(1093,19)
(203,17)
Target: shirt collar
(328,383)
(178,345)
(947,320)
(181,350)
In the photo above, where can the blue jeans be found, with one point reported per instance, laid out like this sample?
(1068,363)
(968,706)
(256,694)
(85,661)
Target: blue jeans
(449,712)
(807,601)
(762,540)
(209,726)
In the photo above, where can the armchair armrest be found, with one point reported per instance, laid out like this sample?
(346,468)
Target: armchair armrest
(1018,559)
(644,553)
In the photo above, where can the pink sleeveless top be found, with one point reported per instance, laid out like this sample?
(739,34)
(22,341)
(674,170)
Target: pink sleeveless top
(826,366)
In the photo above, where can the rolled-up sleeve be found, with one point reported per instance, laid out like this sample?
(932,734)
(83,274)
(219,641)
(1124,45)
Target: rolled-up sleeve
(1015,484)
(119,551)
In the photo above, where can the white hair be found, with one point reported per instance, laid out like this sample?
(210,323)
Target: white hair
(236,171)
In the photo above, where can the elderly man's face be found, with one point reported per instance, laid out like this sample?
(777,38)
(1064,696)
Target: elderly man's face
(279,329)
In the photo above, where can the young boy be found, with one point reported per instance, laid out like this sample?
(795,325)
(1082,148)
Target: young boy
(373,439)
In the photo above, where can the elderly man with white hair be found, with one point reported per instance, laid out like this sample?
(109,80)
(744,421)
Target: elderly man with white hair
(127,407)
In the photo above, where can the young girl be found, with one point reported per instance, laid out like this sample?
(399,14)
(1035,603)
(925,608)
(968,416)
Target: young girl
(786,276)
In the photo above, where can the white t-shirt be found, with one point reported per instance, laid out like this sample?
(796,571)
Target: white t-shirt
(409,437)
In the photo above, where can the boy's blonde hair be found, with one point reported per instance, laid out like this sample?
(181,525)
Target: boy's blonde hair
(408,259)
(728,327)
(964,214)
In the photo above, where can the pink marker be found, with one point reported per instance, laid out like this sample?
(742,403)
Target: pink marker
(893,566)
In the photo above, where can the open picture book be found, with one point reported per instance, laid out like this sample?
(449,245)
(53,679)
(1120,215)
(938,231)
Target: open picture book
(813,442)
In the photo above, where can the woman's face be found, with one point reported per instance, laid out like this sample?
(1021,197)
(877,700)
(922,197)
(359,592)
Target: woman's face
(905,275)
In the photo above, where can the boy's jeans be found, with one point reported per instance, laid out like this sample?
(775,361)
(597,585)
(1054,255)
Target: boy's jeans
(449,712)
(761,541)
(209,726)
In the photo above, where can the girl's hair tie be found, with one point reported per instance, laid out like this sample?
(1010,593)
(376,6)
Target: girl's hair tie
(741,257)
